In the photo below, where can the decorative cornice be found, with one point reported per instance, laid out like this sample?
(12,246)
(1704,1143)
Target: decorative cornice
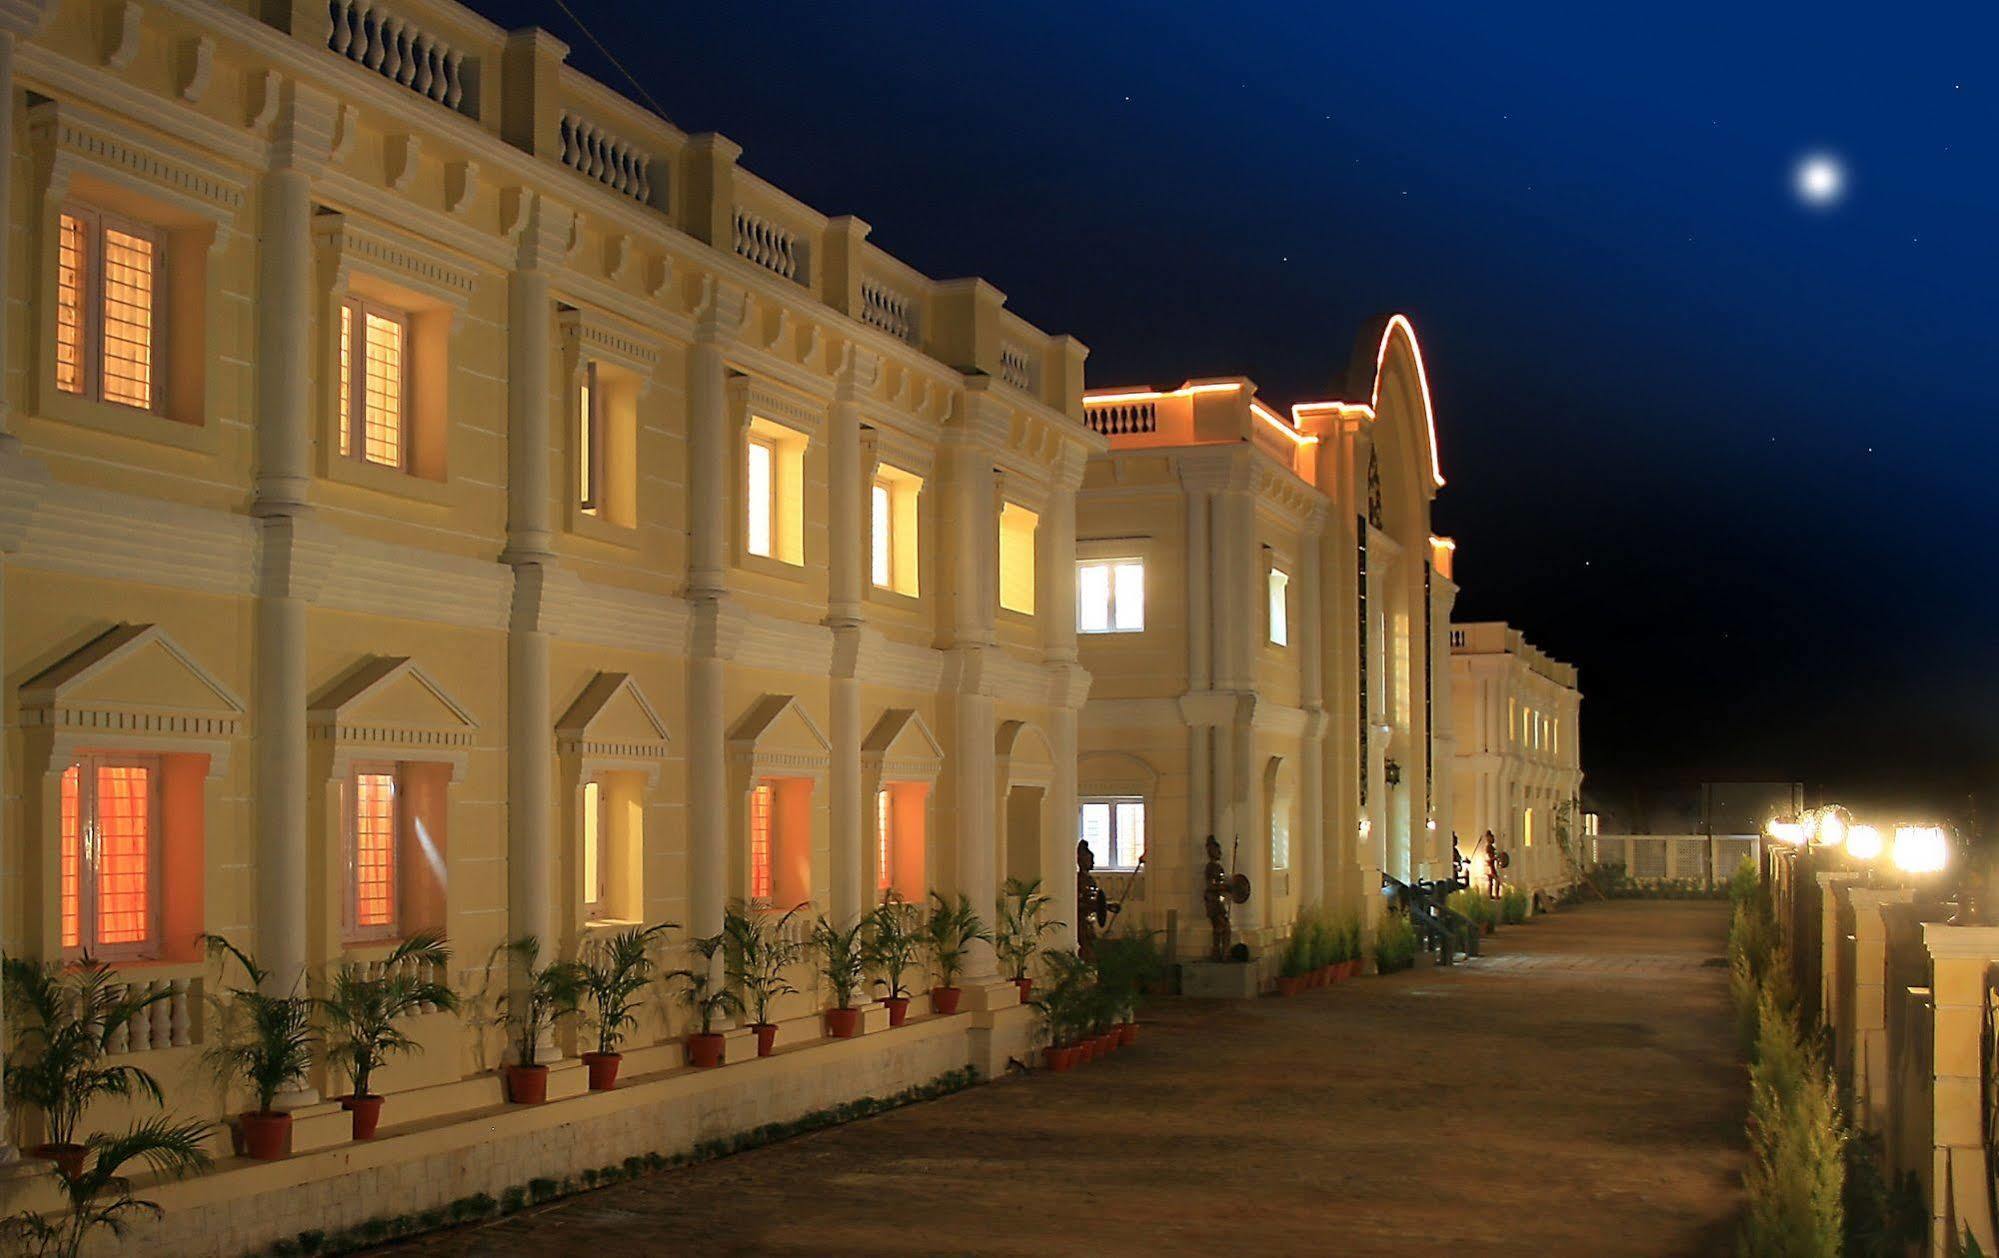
(346,242)
(69,138)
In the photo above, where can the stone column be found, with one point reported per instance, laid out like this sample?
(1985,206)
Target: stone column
(1309,841)
(848,531)
(1057,600)
(1863,1064)
(1961,957)
(972,508)
(711,473)
(531,827)
(1833,911)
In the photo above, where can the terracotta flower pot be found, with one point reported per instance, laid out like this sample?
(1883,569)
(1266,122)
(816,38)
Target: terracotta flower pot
(527,1085)
(367,1111)
(945,999)
(1107,1043)
(1086,1051)
(1289,986)
(842,1023)
(1127,1034)
(1354,968)
(1058,1059)
(266,1137)
(705,1051)
(67,1157)
(766,1038)
(603,1070)
(1026,986)
(898,1009)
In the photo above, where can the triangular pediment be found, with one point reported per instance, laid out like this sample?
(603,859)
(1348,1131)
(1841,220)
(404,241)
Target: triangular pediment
(612,718)
(777,735)
(387,699)
(141,675)
(903,746)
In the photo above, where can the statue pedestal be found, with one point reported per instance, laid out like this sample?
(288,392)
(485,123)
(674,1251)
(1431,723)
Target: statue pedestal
(1218,980)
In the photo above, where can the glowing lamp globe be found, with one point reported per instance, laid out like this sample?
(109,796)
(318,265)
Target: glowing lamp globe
(1863,842)
(1832,828)
(1789,832)
(1921,849)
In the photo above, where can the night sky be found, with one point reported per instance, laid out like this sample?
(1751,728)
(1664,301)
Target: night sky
(1727,452)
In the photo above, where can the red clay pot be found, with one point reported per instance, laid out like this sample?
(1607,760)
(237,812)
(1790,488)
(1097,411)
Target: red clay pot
(1086,1051)
(898,1009)
(1107,1043)
(266,1137)
(1058,1059)
(367,1111)
(842,1023)
(705,1051)
(527,1085)
(67,1157)
(1287,986)
(766,1038)
(1354,968)
(603,1070)
(1026,986)
(1127,1034)
(945,999)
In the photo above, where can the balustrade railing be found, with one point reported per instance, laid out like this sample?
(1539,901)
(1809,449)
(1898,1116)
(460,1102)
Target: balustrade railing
(1121,419)
(368,34)
(891,311)
(595,153)
(1017,367)
(169,1022)
(774,248)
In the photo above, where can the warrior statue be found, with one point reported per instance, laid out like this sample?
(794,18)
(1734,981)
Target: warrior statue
(1460,867)
(1218,890)
(1093,907)
(1495,862)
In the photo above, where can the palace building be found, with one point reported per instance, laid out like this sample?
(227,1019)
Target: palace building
(438,495)
(1262,608)
(1519,770)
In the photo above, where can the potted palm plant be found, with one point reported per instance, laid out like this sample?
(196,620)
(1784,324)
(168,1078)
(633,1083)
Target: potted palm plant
(540,996)
(63,1018)
(708,1000)
(1023,924)
(99,1196)
(1297,960)
(842,959)
(611,973)
(363,1012)
(264,1041)
(1064,1008)
(758,950)
(895,933)
(1128,965)
(949,935)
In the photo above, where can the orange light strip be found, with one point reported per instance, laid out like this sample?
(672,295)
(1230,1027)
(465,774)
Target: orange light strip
(1370,408)
(1443,543)
(1152,395)
(1276,421)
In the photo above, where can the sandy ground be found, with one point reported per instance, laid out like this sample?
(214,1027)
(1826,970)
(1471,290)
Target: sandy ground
(1575,1091)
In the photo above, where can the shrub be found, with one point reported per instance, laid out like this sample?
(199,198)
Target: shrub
(1744,885)
(1796,1180)
(1513,906)
(1298,951)
(1475,906)
(1394,944)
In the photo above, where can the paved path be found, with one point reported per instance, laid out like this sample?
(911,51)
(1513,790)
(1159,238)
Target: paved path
(1573,1092)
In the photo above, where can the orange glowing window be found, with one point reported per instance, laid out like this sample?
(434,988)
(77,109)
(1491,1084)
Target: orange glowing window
(109,854)
(108,291)
(760,844)
(374,382)
(372,855)
(590,442)
(884,842)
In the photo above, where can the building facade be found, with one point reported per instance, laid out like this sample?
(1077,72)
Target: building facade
(1519,764)
(435,493)
(1262,608)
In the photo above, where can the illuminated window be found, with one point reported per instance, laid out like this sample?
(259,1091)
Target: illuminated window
(892,532)
(374,383)
(1527,828)
(373,842)
(1280,835)
(108,308)
(590,442)
(1016,558)
(1280,607)
(1115,830)
(762,496)
(1110,596)
(882,517)
(593,849)
(884,841)
(110,858)
(761,827)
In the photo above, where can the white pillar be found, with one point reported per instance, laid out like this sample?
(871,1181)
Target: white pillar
(1057,566)
(1311,837)
(849,474)
(972,553)
(711,471)
(9,459)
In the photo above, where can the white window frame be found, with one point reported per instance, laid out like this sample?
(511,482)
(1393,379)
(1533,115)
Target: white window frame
(88,846)
(350,809)
(1280,829)
(1278,609)
(595,811)
(90,303)
(881,533)
(590,442)
(358,309)
(1114,802)
(1113,609)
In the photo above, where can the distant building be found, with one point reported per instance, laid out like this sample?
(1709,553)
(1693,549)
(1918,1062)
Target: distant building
(1518,771)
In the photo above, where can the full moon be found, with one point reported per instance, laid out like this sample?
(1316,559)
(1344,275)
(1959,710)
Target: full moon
(1820,179)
